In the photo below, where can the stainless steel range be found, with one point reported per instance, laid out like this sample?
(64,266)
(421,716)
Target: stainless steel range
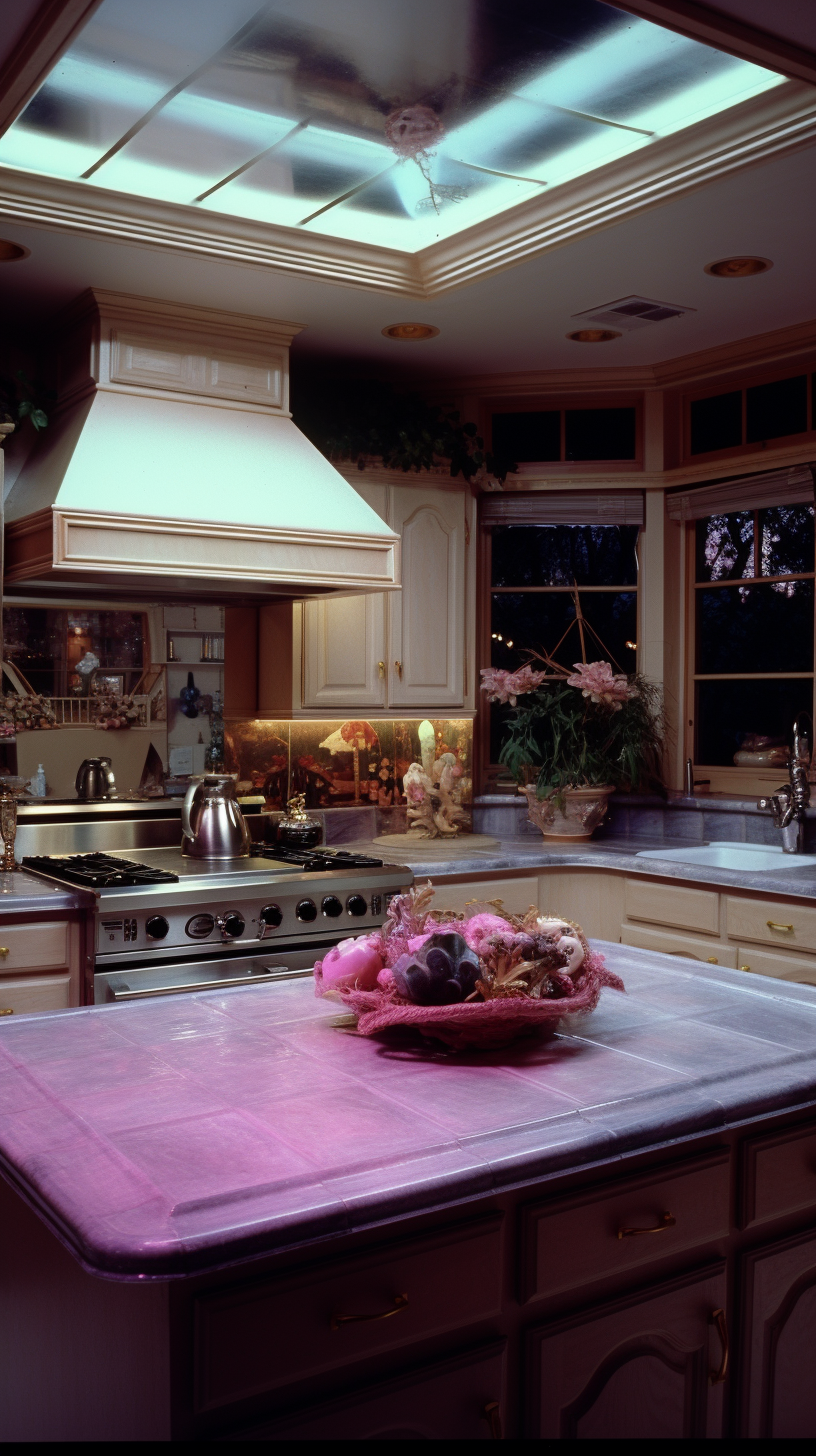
(164,923)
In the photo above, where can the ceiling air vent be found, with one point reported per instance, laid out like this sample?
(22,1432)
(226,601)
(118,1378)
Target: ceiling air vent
(633,312)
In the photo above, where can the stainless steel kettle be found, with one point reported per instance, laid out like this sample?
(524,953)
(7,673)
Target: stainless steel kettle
(213,826)
(95,779)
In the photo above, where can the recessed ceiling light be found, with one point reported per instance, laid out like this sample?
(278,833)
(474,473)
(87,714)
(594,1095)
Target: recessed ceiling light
(738,267)
(411,333)
(12,252)
(593,336)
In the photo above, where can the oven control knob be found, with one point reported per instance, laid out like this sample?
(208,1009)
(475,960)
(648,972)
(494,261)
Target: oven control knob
(307,910)
(234,924)
(157,927)
(332,906)
(356,905)
(271,915)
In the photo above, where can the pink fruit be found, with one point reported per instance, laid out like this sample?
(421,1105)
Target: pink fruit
(351,963)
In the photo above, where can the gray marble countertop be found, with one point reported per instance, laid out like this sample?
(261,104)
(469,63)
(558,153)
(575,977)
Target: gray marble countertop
(167,1137)
(21,893)
(526,854)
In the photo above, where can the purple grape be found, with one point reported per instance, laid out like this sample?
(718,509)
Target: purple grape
(443,971)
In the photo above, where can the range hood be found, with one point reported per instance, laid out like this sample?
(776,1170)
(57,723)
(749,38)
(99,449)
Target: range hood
(171,467)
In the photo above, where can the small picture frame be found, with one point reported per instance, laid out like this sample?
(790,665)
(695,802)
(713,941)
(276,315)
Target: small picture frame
(108,684)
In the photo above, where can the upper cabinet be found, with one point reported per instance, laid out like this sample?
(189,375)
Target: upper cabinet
(402,649)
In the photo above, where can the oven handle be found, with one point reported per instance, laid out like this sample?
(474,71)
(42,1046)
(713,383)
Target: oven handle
(280,973)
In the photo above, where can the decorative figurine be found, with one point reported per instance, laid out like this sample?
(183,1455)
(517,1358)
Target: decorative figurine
(188,698)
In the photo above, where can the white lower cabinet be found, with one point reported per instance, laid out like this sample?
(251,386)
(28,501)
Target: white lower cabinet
(402,649)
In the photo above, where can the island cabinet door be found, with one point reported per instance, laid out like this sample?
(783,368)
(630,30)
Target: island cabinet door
(344,663)
(460,1398)
(649,1366)
(777,1386)
(426,666)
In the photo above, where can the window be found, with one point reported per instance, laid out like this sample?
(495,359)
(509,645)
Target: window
(532,570)
(44,645)
(753,609)
(750,416)
(539,436)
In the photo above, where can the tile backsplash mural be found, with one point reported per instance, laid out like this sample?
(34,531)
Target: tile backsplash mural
(340,762)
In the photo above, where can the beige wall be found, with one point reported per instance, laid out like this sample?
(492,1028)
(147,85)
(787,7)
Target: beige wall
(61,751)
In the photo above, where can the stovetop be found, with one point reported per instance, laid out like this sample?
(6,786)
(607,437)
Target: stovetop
(98,871)
(169,866)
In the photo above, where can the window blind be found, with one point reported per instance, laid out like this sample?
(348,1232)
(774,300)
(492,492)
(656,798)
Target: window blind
(563,508)
(748,493)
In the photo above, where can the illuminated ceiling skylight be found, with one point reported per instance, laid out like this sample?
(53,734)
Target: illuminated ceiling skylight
(279,114)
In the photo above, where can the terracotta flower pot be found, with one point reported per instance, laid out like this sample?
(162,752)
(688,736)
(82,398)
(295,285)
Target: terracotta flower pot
(572,814)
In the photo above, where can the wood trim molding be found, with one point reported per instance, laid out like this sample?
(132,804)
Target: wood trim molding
(778,123)
(49,35)
(137,549)
(738,37)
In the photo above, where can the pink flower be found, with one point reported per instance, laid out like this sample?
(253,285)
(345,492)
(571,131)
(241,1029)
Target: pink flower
(502,686)
(598,682)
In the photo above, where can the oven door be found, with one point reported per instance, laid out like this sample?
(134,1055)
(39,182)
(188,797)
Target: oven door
(265,966)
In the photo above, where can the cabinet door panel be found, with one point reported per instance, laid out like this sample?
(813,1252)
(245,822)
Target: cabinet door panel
(672,905)
(447,1401)
(343,645)
(675,943)
(778,1390)
(427,618)
(637,1369)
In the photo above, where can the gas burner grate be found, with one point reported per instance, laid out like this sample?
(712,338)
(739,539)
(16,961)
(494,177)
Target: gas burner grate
(317,859)
(97,871)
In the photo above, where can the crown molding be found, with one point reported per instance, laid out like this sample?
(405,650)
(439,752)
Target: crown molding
(48,37)
(777,123)
(736,37)
(64,205)
(774,347)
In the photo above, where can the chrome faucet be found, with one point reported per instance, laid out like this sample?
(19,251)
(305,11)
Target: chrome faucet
(789,803)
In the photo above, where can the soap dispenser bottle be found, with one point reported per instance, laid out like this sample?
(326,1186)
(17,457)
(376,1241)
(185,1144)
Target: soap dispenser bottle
(38,785)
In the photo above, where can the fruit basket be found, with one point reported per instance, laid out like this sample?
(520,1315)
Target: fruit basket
(477,980)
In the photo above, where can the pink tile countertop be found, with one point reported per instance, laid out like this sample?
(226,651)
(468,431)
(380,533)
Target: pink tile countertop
(176,1135)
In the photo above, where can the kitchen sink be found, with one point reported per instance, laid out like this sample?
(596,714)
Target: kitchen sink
(724,854)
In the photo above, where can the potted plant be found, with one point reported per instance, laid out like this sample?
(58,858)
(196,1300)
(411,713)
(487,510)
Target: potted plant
(581,734)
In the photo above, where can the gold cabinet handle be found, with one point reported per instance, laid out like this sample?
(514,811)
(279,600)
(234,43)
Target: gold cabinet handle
(381,668)
(774,925)
(492,1414)
(745,968)
(398,666)
(5,950)
(400,1303)
(6,1010)
(667,1221)
(712,961)
(717,1317)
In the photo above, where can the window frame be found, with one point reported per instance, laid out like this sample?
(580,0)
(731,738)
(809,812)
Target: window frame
(741,384)
(531,404)
(729,777)
(486,772)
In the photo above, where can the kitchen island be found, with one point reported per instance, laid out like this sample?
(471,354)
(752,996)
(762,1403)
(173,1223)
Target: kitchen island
(249,1222)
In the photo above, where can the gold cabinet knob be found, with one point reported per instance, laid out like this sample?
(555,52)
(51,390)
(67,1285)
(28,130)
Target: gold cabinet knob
(745,968)
(398,666)
(712,960)
(6,1010)
(5,950)
(381,669)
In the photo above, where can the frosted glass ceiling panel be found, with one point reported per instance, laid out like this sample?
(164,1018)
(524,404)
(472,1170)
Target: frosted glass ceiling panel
(278,111)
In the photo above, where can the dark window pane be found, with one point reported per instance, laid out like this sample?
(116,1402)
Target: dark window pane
(528,435)
(537,620)
(561,555)
(599,434)
(725,547)
(786,536)
(765,628)
(776,409)
(716,423)
(726,711)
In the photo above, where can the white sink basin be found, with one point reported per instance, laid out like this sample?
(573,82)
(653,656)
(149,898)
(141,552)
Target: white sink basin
(724,854)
